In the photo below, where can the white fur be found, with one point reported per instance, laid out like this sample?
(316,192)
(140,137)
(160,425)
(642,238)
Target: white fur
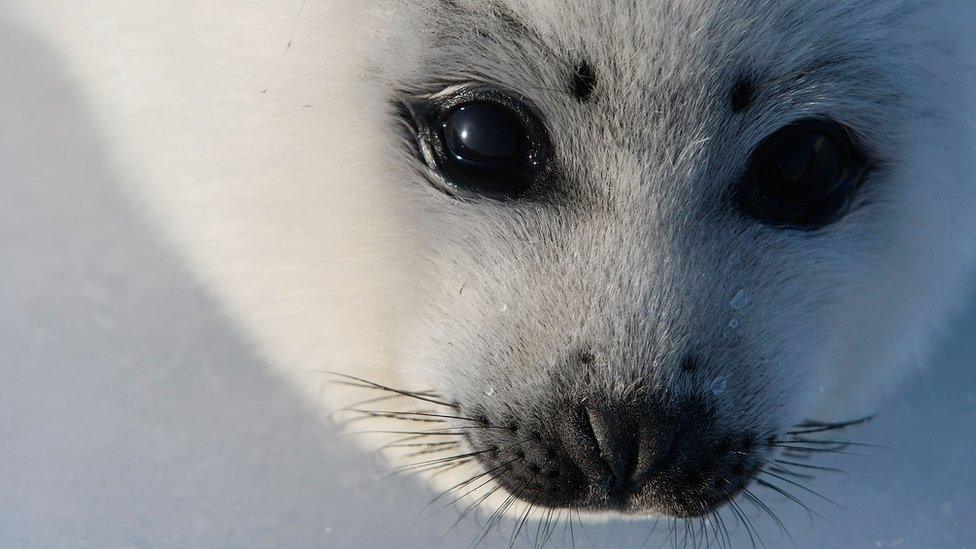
(304,212)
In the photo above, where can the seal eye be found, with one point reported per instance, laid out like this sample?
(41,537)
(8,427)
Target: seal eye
(804,175)
(489,149)
(484,143)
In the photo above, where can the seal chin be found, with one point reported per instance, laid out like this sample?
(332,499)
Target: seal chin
(633,458)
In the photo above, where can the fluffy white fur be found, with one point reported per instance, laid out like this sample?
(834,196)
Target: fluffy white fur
(321,236)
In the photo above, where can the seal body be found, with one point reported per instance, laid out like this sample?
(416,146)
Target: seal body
(630,335)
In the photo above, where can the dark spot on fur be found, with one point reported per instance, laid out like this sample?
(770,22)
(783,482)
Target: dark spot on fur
(742,95)
(748,443)
(689,364)
(724,447)
(584,80)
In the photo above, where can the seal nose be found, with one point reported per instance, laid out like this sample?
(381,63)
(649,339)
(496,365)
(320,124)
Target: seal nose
(602,439)
(603,453)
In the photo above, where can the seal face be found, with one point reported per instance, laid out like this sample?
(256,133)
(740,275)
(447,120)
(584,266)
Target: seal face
(649,234)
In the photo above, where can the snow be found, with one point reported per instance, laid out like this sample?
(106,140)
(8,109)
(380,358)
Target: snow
(133,415)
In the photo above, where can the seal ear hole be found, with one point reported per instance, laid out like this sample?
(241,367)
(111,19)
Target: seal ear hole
(689,364)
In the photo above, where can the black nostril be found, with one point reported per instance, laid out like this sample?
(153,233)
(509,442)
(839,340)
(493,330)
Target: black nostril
(602,439)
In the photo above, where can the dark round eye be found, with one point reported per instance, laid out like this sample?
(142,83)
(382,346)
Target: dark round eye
(804,175)
(489,148)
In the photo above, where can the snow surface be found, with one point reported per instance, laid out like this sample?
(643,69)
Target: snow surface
(133,415)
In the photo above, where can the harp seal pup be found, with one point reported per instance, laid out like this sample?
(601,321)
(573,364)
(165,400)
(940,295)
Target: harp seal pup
(613,253)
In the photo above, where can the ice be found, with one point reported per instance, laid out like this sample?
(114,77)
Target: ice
(739,300)
(719,386)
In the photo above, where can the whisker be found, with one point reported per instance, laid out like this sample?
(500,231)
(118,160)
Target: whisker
(461,485)
(814,467)
(804,488)
(808,449)
(744,520)
(411,394)
(465,483)
(787,495)
(434,433)
(474,505)
(838,443)
(440,467)
(368,416)
(442,471)
(438,460)
(725,529)
(418,444)
(520,524)
(399,441)
(497,516)
(492,477)
(657,523)
(808,427)
(787,472)
(583,528)
(424,414)
(429,451)
(762,505)
(369,401)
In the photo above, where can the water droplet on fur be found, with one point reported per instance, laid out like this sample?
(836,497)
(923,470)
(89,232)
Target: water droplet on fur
(719,386)
(503,308)
(490,391)
(734,323)
(740,300)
